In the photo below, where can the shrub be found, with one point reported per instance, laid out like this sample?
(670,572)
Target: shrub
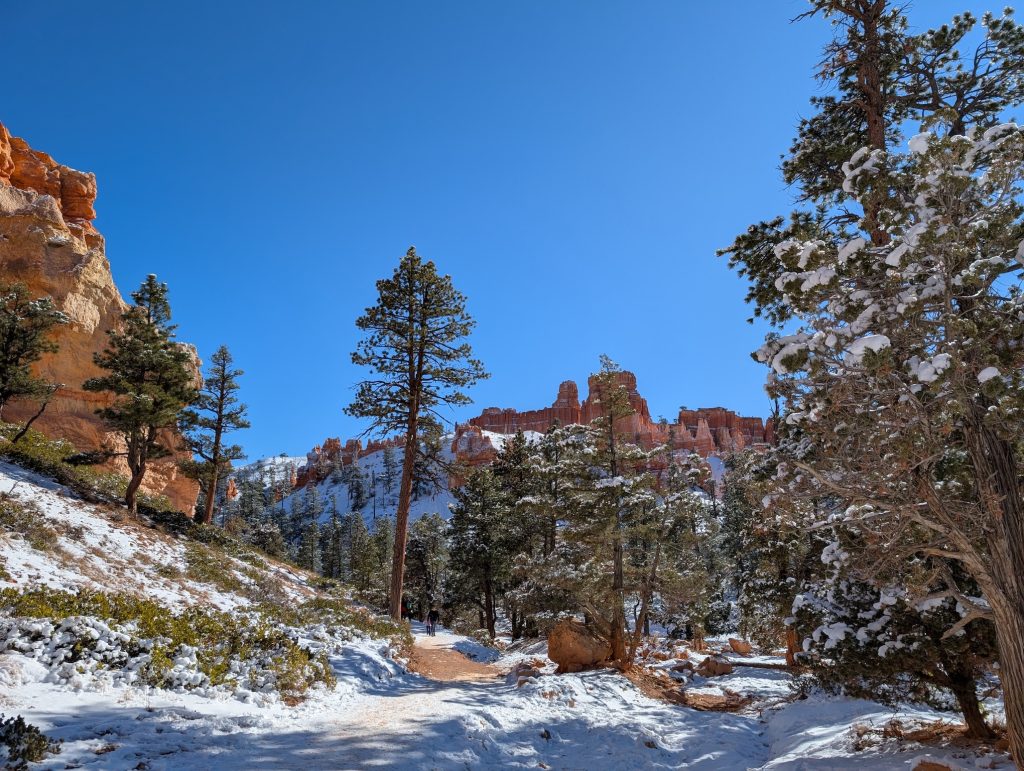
(27,520)
(25,743)
(140,639)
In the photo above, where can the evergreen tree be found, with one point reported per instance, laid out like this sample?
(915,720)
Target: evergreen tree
(427,561)
(897,284)
(307,555)
(382,549)
(26,326)
(216,412)
(150,376)
(390,470)
(608,493)
(420,361)
(478,561)
(357,496)
(361,557)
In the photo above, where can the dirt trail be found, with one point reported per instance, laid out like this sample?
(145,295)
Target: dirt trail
(434,658)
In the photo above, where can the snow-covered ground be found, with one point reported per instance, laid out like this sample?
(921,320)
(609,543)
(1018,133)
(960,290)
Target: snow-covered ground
(382,716)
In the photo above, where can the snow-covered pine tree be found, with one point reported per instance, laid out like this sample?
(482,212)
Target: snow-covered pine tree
(427,562)
(307,553)
(902,375)
(362,561)
(478,560)
(608,494)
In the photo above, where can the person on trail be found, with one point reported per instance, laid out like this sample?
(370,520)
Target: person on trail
(432,618)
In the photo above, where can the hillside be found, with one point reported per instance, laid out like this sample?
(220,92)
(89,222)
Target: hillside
(379,499)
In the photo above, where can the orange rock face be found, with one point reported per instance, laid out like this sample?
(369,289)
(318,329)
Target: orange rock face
(705,431)
(48,242)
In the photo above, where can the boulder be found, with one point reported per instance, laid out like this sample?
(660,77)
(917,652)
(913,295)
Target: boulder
(741,647)
(574,647)
(714,666)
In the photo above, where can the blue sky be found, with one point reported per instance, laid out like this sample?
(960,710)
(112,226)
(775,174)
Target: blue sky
(572,164)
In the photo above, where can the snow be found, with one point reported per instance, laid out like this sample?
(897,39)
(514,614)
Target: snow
(987,374)
(857,348)
(380,714)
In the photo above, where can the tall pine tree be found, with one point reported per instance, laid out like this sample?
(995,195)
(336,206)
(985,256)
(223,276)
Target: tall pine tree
(415,348)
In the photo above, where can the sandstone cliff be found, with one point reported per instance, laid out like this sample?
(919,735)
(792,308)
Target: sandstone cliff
(48,242)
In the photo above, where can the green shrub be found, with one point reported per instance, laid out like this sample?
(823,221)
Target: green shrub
(27,520)
(25,743)
(205,565)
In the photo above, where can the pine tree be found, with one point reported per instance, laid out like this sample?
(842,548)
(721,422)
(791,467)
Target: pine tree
(361,557)
(382,548)
(390,469)
(307,554)
(216,412)
(151,378)
(356,488)
(26,326)
(427,561)
(607,495)
(897,283)
(478,562)
(415,347)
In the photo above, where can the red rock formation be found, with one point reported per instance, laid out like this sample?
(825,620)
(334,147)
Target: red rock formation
(706,431)
(322,459)
(48,243)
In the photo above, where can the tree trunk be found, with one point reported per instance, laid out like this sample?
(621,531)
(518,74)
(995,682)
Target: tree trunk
(618,631)
(211,493)
(996,470)
(30,421)
(402,521)
(131,495)
(489,606)
(963,688)
(792,646)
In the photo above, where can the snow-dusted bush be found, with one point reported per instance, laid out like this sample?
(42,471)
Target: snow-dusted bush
(24,743)
(121,638)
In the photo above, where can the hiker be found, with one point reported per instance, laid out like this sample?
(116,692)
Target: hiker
(432,618)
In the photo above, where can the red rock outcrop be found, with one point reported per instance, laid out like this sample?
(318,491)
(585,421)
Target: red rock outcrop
(706,431)
(48,242)
(323,458)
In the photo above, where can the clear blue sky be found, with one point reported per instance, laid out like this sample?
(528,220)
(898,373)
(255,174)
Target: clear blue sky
(572,164)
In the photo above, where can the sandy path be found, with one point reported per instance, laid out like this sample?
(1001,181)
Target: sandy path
(433,657)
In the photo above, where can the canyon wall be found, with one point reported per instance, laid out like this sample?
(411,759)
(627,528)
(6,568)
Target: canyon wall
(707,431)
(49,243)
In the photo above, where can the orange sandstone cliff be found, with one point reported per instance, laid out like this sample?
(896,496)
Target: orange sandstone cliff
(48,242)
